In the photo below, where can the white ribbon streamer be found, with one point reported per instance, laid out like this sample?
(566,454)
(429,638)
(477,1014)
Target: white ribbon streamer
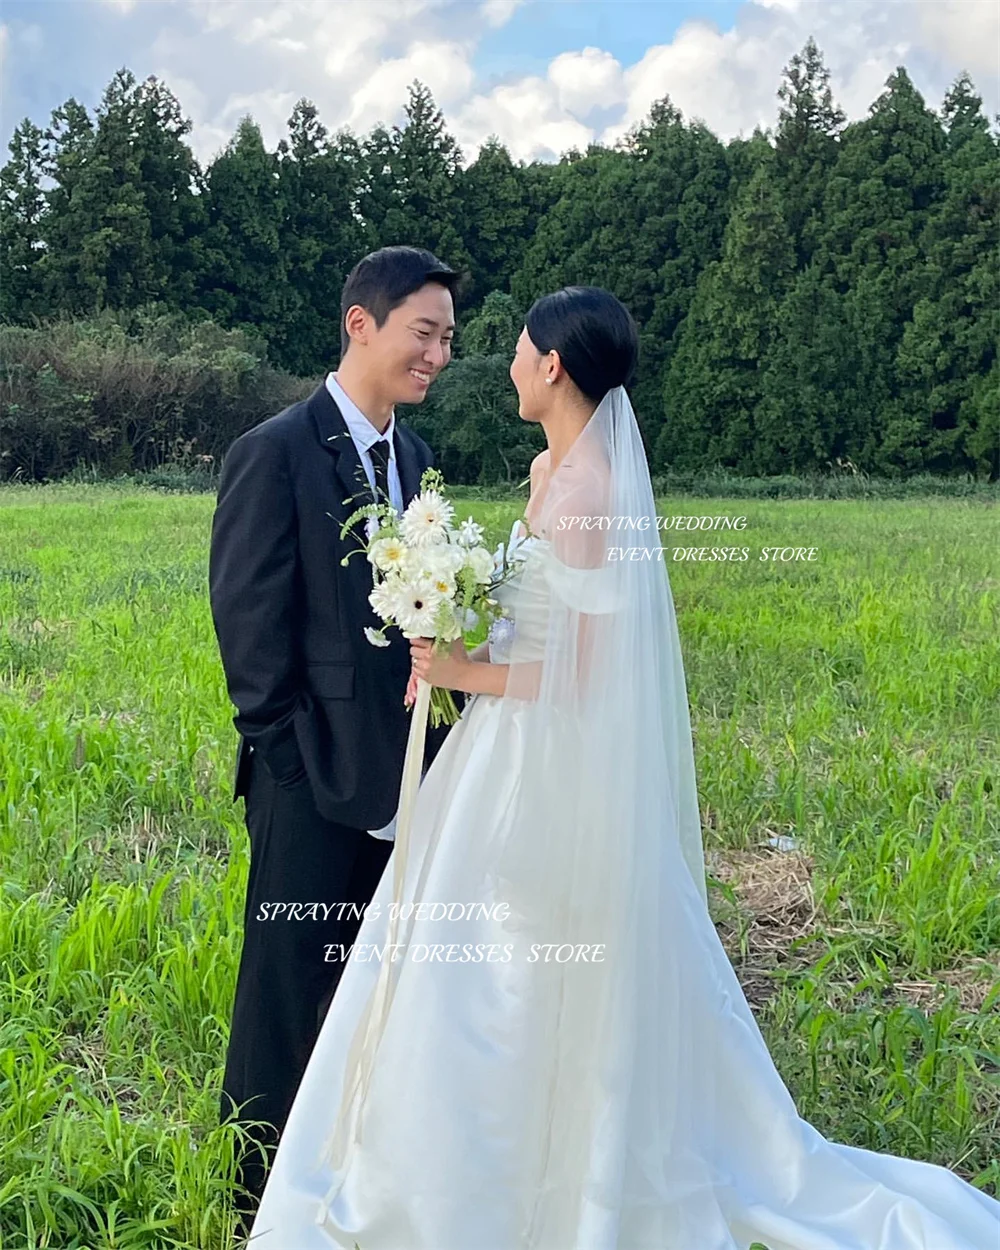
(364,1044)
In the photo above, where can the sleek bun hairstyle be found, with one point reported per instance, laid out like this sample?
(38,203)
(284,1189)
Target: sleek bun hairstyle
(594,334)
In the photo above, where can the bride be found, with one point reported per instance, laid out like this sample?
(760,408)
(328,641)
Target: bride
(564,1058)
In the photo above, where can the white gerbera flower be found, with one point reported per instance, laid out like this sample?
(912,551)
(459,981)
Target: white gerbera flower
(417,607)
(375,638)
(426,519)
(384,598)
(387,554)
(470,533)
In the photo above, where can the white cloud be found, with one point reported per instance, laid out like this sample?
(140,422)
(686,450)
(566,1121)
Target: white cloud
(499,12)
(730,78)
(526,116)
(969,31)
(586,81)
(707,73)
(270,109)
(27,38)
(443,67)
(356,59)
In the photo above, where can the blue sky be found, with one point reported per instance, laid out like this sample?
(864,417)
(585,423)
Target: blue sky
(543,75)
(536,33)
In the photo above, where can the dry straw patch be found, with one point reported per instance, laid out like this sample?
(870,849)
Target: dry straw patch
(777,907)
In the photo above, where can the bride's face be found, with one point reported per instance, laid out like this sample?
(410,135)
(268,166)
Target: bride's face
(528,371)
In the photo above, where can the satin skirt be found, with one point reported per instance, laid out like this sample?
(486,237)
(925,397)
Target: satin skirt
(441,1159)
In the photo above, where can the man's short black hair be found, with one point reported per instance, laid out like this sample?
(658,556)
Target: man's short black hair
(382,280)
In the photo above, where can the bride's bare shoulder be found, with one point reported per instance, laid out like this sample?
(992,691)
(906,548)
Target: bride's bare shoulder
(541,464)
(538,477)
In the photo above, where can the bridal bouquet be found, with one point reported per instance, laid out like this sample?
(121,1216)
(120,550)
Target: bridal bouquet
(431,579)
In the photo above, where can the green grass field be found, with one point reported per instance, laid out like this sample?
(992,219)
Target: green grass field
(849,704)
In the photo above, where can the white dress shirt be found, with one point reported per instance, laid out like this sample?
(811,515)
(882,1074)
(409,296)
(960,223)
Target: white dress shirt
(363,435)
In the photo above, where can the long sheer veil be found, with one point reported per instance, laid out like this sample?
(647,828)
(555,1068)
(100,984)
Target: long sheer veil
(608,685)
(602,852)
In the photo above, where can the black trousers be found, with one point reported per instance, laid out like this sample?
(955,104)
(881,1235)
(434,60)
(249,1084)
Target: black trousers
(286,977)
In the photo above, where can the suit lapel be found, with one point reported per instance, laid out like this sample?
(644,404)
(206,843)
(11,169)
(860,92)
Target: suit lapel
(335,437)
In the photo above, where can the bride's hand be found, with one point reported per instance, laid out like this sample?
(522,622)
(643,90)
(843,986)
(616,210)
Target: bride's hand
(437,670)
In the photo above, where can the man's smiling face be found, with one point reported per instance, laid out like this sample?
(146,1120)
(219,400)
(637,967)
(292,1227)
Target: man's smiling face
(414,344)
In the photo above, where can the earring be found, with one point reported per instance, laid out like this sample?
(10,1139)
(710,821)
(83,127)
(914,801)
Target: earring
(548,381)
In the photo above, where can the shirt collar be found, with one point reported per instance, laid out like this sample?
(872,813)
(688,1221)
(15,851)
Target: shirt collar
(361,429)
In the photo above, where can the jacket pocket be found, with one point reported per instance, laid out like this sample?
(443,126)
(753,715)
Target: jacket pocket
(331,681)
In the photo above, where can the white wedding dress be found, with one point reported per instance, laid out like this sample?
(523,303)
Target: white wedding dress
(486,1126)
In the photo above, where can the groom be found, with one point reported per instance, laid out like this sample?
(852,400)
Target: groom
(319,710)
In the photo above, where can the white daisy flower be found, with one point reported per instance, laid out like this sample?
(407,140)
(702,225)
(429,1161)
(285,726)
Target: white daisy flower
(384,598)
(426,519)
(375,638)
(387,554)
(417,607)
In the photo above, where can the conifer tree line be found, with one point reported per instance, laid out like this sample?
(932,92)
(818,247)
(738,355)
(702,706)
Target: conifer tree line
(815,295)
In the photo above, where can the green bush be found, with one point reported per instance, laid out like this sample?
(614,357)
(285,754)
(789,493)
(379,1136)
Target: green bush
(131,393)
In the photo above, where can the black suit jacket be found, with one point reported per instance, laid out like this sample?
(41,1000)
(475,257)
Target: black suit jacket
(310,691)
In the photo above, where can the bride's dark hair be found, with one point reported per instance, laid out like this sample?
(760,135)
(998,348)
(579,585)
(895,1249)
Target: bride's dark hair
(594,334)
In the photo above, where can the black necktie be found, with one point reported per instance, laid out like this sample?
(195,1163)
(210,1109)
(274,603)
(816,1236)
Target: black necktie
(379,452)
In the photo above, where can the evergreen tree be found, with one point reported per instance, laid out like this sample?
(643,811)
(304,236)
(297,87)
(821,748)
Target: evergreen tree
(495,328)
(321,238)
(809,123)
(951,343)
(678,209)
(497,218)
(803,422)
(68,279)
(169,179)
(125,222)
(411,188)
(887,179)
(246,275)
(884,187)
(714,384)
(833,293)
(22,209)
